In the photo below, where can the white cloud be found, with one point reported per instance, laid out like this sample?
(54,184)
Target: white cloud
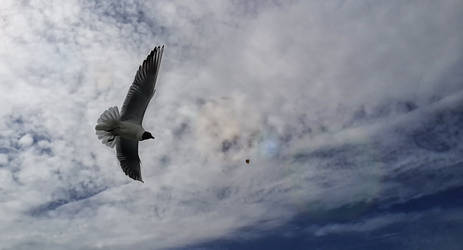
(316,94)
(3,159)
(365,226)
(26,140)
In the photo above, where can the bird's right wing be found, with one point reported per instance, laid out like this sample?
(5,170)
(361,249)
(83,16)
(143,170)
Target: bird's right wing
(127,154)
(142,88)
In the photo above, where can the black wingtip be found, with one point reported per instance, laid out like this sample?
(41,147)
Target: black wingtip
(156,48)
(136,178)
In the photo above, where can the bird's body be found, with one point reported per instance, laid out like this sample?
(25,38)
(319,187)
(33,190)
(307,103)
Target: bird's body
(128,130)
(124,130)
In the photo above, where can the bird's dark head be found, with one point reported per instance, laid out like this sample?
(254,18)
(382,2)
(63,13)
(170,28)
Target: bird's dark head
(146,135)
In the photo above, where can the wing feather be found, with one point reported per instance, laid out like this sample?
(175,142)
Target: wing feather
(138,97)
(142,89)
(127,154)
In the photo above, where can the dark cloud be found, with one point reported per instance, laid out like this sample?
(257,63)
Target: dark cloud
(343,108)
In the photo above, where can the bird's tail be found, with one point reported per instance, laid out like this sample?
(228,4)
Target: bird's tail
(105,124)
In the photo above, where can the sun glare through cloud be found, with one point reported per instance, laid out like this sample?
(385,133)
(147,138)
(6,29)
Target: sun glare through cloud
(277,124)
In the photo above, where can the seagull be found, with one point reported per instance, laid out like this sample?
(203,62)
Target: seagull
(124,130)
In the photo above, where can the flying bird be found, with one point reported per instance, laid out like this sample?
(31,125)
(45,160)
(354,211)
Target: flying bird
(124,130)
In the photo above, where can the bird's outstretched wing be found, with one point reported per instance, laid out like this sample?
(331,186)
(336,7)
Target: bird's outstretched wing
(127,154)
(133,109)
(142,88)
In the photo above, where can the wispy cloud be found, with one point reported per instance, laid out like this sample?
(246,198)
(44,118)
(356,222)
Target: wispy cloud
(334,103)
(365,226)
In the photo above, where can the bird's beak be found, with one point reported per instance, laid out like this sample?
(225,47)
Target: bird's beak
(152,137)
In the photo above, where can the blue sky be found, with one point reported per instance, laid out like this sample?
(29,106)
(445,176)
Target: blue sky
(350,112)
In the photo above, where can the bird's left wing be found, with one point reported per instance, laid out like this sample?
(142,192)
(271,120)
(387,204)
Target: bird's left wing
(142,88)
(127,154)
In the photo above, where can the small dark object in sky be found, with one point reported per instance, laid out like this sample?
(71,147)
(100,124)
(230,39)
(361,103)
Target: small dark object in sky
(247,161)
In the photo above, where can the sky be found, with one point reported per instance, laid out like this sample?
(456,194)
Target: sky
(351,113)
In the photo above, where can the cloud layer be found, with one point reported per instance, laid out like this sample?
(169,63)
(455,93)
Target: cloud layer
(335,103)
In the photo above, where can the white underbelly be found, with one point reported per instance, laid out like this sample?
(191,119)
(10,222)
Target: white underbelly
(129,130)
